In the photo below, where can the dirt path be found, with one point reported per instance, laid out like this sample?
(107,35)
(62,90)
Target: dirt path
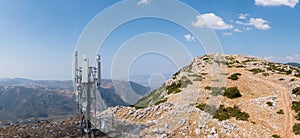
(288,117)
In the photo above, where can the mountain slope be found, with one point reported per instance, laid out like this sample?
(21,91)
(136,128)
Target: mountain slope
(220,96)
(22,103)
(129,92)
(28,100)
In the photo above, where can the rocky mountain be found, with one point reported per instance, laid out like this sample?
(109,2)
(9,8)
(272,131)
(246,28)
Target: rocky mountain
(25,103)
(129,92)
(293,64)
(23,100)
(216,96)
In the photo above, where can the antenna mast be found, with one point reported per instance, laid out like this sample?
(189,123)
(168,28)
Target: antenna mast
(87,80)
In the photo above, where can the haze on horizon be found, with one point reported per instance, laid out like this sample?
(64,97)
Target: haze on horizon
(37,38)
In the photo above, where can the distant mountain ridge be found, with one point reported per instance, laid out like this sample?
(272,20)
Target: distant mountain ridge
(293,64)
(23,99)
(26,82)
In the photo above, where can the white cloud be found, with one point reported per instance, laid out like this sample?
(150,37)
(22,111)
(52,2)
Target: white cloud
(143,2)
(290,58)
(227,33)
(290,3)
(247,28)
(237,30)
(243,16)
(239,22)
(210,20)
(189,37)
(259,23)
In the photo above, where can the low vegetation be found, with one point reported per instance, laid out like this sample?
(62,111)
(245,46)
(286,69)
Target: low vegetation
(298,116)
(296,91)
(275,136)
(224,113)
(269,103)
(281,79)
(240,66)
(161,101)
(175,87)
(296,129)
(234,76)
(207,88)
(280,69)
(185,82)
(266,74)
(151,98)
(256,70)
(211,109)
(231,92)
(296,106)
(280,112)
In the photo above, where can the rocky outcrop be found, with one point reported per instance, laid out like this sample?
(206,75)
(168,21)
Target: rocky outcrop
(172,110)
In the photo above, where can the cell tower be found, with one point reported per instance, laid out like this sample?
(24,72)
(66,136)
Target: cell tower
(87,81)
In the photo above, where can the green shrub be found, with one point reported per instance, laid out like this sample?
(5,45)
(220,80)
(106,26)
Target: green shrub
(296,91)
(265,74)
(269,103)
(281,79)
(206,59)
(138,107)
(275,136)
(235,76)
(296,106)
(233,111)
(242,116)
(256,70)
(175,74)
(288,72)
(185,82)
(223,113)
(240,66)
(161,101)
(298,116)
(211,109)
(207,88)
(174,88)
(232,93)
(296,129)
(280,111)
(293,79)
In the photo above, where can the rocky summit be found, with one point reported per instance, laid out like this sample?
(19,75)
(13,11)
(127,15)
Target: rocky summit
(216,96)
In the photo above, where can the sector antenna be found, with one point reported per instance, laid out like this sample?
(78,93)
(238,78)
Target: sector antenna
(87,80)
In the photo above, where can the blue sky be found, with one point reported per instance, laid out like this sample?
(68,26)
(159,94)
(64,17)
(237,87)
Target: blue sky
(37,38)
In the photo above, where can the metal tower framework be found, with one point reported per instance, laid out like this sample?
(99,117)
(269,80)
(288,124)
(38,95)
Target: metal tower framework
(87,80)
